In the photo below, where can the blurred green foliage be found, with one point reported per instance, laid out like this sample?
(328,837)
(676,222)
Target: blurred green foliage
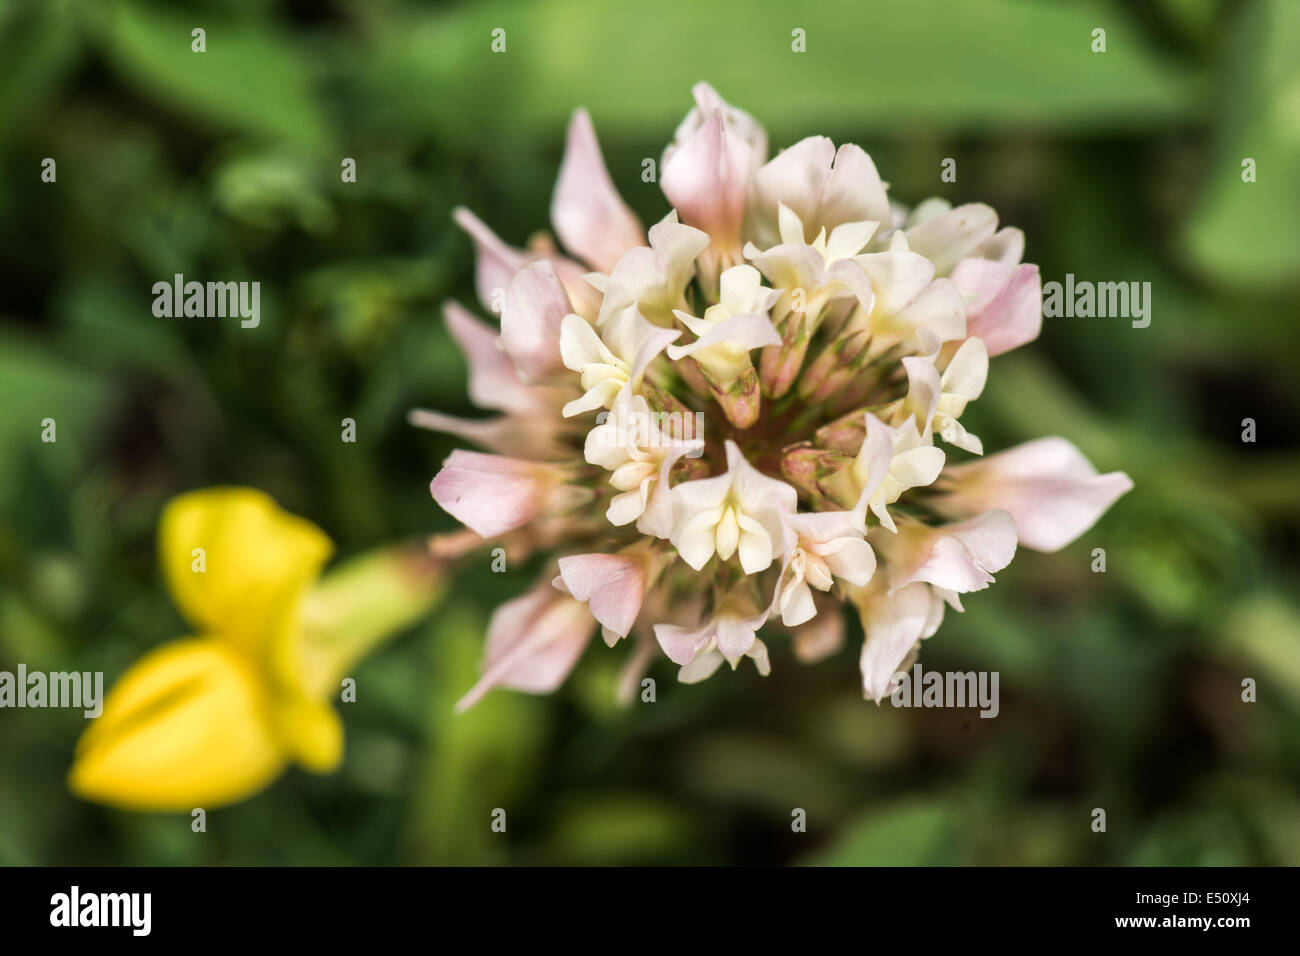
(1120,690)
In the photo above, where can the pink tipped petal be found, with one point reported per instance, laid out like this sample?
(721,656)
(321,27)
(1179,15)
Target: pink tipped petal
(1007,308)
(530,322)
(522,437)
(493,382)
(706,181)
(1051,490)
(590,217)
(739,123)
(980,281)
(496,261)
(613,585)
(493,433)
(533,643)
(682,644)
(493,494)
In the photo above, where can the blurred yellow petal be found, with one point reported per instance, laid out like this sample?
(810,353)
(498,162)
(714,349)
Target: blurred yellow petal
(238,566)
(188,726)
(312,733)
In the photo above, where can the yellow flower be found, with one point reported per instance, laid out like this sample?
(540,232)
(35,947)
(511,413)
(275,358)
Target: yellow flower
(211,719)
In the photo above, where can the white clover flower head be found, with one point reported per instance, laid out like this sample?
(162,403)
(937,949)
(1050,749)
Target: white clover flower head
(728,425)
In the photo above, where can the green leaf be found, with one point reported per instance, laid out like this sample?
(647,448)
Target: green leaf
(617,829)
(913,834)
(1265,628)
(886,64)
(270,189)
(38,45)
(249,77)
(1243,233)
(35,386)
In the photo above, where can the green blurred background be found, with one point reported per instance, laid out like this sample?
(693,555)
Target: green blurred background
(1119,690)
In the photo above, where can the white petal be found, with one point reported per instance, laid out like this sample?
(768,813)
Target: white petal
(796,604)
(917,467)
(853,561)
(853,190)
(847,239)
(701,668)
(892,625)
(796,177)
(952,236)
(940,309)
(757,549)
(896,278)
(581,345)
(967,371)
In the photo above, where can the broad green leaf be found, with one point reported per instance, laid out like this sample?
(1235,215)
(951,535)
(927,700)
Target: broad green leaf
(38,46)
(971,64)
(249,78)
(1243,233)
(911,834)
